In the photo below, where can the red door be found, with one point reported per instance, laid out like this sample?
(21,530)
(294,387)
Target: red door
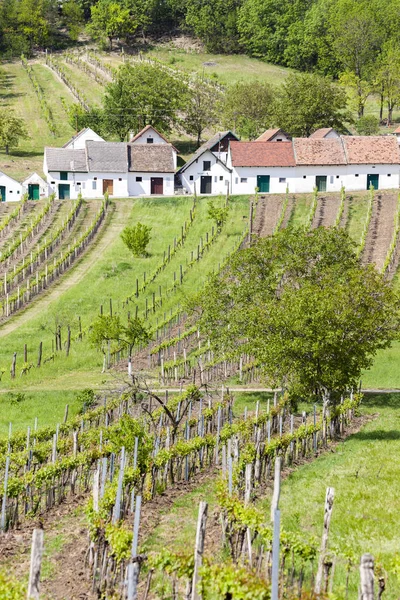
(157,186)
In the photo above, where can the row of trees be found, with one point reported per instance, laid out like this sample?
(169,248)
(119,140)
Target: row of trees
(143,94)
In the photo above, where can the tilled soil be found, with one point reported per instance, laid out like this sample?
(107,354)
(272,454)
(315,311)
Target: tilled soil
(381,228)
(327,210)
(267,215)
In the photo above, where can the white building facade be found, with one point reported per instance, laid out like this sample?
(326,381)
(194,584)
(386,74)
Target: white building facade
(10,189)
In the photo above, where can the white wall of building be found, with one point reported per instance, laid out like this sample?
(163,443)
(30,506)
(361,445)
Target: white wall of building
(220,175)
(44,188)
(150,134)
(14,190)
(143,187)
(79,143)
(90,184)
(303,179)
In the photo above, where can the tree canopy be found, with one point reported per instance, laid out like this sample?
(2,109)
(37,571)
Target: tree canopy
(12,129)
(302,304)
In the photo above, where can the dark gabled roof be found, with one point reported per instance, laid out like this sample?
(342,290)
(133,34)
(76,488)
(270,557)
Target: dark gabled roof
(371,150)
(269,134)
(107,157)
(208,146)
(323,132)
(151,158)
(262,154)
(66,159)
(319,151)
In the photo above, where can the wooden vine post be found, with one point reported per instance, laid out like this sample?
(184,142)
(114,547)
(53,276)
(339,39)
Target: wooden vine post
(199,548)
(330,492)
(366,591)
(36,564)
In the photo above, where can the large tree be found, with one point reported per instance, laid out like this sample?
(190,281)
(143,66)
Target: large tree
(247,108)
(12,129)
(302,304)
(142,94)
(306,102)
(200,107)
(110,19)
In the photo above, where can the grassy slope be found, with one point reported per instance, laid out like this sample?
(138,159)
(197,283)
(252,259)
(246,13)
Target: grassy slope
(112,274)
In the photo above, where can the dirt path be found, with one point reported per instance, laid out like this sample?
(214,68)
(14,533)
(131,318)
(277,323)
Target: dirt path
(327,210)
(381,228)
(109,231)
(268,212)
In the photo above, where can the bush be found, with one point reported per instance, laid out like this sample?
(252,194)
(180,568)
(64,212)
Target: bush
(367,125)
(86,399)
(136,239)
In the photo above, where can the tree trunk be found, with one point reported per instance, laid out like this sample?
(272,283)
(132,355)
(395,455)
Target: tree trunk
(6,148)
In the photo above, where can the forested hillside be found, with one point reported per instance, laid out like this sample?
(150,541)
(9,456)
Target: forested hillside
(355,41)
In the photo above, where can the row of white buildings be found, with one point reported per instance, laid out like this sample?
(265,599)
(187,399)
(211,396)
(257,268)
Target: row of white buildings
(147,165)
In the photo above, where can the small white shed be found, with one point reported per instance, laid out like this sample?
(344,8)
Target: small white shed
(10,189)
(36,187)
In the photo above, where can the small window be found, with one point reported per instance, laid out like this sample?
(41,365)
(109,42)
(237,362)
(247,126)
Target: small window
(63,175)
(206,165)
(304,176)
(337,176)
(150,140)
(139,179)
(10,191)
(236,180)
(191,178)
(52,182)
(331,179)
(389,174)
(78,183)
(94,185)
(356,175)
(279,140)
(119,178)
(282,179)
(17,191)
(221,177)
(94,178)
(243,180)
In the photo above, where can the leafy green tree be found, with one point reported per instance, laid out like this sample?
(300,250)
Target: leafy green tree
(201,110)
(305,102)
(387,78)
(219,214)
(79,118)
(248,108)
(142,94)
(367,125)
(301,303)
(215,23)
(110,19)
(104,330)
(134,333)
(137,238)
(73,16)
(12,129)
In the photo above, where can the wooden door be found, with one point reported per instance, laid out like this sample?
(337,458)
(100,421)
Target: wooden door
(157,186)
(263,183)
(205,184)
(108,186)
(3,193)
(373,180)
(320,182)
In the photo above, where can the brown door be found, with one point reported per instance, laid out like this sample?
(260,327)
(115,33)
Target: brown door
(108,186)
(157,185)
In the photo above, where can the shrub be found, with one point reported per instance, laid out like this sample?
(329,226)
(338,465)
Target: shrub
(136,239)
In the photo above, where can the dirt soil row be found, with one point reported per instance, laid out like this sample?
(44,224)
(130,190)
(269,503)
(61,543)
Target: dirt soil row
(381,228)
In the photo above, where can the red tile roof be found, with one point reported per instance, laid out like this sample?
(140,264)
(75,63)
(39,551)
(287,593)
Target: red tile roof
(262,154)
(309,151)
(322,133)
(371,150)
(269,134)
(397,130)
